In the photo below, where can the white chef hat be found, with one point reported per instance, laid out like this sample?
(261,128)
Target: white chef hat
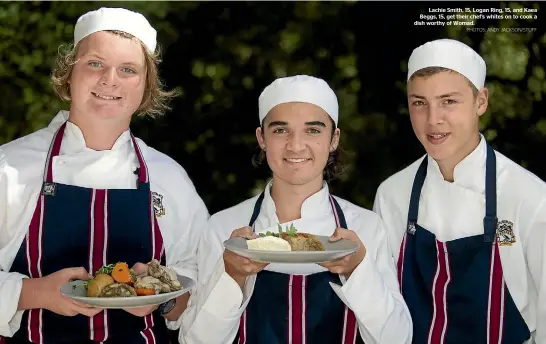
(299,88)
(452,54)
(118,19)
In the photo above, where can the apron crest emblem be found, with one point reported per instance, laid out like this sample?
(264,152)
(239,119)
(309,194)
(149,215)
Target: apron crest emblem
(49,189)
(505,233)
(157,200)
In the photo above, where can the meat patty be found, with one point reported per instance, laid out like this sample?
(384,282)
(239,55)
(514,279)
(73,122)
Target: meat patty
(118,290)
(303,242)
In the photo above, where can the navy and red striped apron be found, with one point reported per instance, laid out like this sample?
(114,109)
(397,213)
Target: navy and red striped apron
(297,309)
(455,290)
(75,226)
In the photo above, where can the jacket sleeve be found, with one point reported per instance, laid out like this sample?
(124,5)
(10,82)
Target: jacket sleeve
(10,289)
(10,283)
(183,253)
(213,312)
(372,292)
(535,245)
(182,250)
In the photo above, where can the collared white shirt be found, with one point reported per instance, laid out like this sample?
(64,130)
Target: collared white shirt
(22,163)
(456,210)
(372,291)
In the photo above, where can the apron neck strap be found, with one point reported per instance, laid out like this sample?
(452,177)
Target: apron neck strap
(336,209)
(489,221)
(338,213)
(143,176)
(420,177)
(256,211)
(55,148)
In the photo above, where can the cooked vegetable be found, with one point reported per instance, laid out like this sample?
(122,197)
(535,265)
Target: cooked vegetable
(145,291)
(121,273)
(97,284)
(117,280)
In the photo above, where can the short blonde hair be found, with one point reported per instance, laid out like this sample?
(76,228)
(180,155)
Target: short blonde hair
(155,99)
(430,71)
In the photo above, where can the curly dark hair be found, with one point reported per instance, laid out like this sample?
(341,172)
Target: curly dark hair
(335,165)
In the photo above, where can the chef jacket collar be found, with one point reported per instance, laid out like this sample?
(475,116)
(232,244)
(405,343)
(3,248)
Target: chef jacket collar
(469,173)
(73,140)
(315,205)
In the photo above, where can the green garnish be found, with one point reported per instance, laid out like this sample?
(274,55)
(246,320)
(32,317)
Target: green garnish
(290,230)
(106,269)
(133,274)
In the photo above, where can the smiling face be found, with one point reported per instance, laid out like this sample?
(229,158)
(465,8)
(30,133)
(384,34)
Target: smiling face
(297,139)
(109,77)
(445,115)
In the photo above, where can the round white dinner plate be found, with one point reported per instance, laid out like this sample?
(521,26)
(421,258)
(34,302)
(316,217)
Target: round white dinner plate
(76,290)
(333,251)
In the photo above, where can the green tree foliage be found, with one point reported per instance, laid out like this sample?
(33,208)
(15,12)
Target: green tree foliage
(221,56)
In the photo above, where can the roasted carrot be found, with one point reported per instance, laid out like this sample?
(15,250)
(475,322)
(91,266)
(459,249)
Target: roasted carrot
(121,273)
(144,291)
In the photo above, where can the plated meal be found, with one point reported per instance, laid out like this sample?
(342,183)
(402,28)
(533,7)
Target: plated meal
(116,286)
(118,280)
(287,240)
(288,246)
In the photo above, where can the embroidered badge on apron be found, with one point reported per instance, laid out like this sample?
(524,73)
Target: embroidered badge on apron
(505,233)
(49,189)
(159,209)
(411,228)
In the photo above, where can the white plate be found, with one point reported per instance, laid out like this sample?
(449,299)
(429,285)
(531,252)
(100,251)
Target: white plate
(333,251)
(76,290)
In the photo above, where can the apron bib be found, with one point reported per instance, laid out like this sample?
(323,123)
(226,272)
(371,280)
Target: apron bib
(75,226)
(297,309)
(455,290)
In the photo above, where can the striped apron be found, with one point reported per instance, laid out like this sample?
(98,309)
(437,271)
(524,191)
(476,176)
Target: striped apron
(74,226)
(297,309)
(455,290)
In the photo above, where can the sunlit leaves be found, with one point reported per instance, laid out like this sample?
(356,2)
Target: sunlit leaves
(507,102)
(221,61)
(290,39)
(506,55)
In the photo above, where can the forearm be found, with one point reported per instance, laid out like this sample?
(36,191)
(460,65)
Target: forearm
(30,297)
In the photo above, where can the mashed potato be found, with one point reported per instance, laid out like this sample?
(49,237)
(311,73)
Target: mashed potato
(269,243)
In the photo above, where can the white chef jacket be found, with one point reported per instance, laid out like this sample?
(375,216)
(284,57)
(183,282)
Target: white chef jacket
(371,292)
(21,174)
(456,210)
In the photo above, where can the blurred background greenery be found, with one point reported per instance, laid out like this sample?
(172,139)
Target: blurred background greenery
(221,55)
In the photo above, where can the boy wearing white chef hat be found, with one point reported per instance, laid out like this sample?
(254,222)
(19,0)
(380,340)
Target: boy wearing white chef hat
(354,299)
(84,193)
(466,224)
